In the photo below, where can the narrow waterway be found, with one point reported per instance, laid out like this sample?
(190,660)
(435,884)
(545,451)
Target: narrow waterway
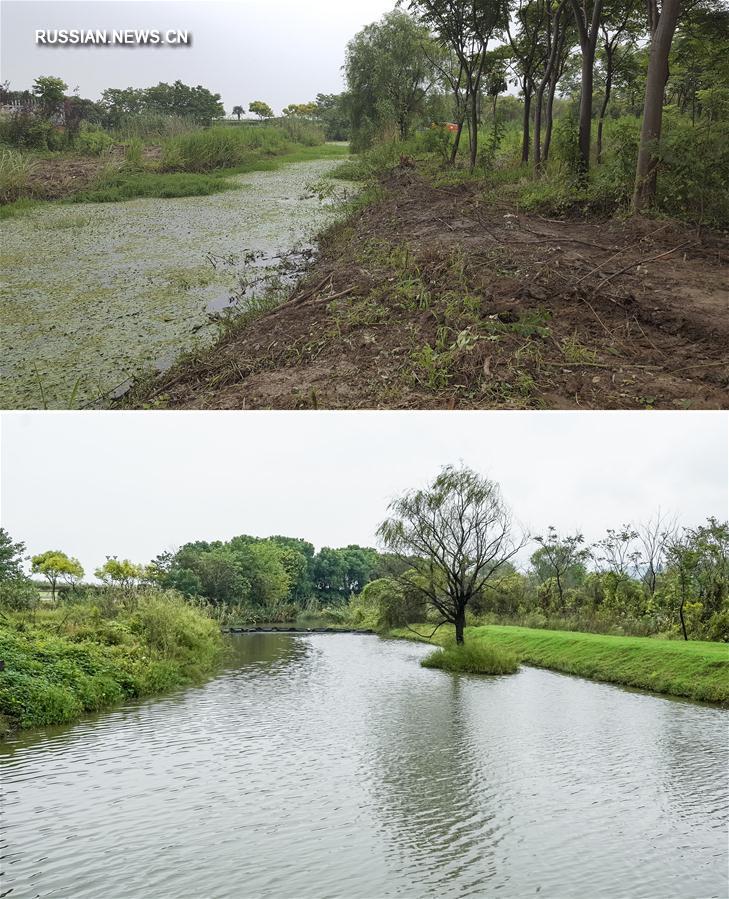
(93,293)
(335,766)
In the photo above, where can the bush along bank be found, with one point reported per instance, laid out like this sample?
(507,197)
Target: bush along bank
(60,663)
(695,670)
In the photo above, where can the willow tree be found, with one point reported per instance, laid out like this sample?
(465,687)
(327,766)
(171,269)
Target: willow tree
(388,75)
(451,538)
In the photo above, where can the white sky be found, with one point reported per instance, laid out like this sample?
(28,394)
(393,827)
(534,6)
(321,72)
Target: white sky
(279,51)
(136,483)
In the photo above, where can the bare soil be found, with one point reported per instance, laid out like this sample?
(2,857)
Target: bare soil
(452,298)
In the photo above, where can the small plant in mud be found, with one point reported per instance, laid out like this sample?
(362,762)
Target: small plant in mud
(576,352)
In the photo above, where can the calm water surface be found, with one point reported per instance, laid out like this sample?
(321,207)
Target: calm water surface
(333,765)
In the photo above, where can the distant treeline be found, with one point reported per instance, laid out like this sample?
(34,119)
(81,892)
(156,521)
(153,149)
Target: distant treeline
(654,578)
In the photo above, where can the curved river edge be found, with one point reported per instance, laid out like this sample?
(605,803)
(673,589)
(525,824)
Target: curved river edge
(694,670)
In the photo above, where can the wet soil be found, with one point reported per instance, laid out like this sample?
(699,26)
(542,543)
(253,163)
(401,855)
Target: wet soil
(451,297)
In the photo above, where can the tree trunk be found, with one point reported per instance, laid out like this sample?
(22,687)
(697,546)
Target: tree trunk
(680,615)
(662,38)
(460,624)
(538,128)
(587,31)
(585,138)
(603,108)
(549,119)
(525,141)
(456,142)
(473,132)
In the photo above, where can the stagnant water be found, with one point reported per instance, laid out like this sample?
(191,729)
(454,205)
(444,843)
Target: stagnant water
(93,293)
(333,765)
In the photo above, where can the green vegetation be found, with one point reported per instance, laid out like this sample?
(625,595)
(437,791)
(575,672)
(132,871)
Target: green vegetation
(228,148)
(474,657)
(154,142)
(90,654)
(696,670)
(121,186)
(250,580)
(614,112)
(14,175)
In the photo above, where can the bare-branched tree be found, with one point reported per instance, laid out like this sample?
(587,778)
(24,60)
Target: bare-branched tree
(452,537)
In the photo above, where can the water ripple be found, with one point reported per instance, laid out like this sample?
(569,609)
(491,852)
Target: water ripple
(334,766)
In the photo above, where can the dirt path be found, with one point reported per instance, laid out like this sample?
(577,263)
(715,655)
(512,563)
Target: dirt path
(444,298)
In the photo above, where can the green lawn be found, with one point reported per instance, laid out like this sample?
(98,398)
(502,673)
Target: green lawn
(692,669)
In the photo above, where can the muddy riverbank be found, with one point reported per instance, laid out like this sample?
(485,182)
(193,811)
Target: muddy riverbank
(453,298)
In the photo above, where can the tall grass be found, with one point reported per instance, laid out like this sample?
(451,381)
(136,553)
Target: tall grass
(15,172)
(473,657)
(223,148)
(152,127)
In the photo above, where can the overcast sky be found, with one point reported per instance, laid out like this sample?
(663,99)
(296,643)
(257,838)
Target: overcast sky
(279,51)
(135,484)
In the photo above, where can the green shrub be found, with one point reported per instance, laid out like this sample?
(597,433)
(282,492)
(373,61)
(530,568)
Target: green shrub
(693,178)
(472,657)
(93,142)
(87,656)
(18,594)
(222,148)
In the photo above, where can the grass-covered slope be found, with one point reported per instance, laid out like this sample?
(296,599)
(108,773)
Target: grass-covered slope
(61,663)
(692,669)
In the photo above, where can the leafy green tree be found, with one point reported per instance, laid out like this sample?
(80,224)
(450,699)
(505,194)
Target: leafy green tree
(51,91)
(238,111)
(55,565)
(561,558)
(11,557)
(466,27)
(120,573)
(388,75)
(300,110)
(384,603)
(261,109)
(332,111)
(455,534)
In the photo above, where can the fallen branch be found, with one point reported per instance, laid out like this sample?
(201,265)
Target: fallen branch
(641,262)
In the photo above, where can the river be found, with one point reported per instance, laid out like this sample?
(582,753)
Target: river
(93,293)
(335,766)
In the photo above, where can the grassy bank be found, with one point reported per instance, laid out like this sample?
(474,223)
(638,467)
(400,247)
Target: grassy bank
(197,163)
(693,669)
(86,657)
(202,181)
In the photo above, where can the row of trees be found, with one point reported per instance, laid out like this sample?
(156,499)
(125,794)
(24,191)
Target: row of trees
(456,545)
(47,105)
(329,111)
(400,69)
(451,549)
